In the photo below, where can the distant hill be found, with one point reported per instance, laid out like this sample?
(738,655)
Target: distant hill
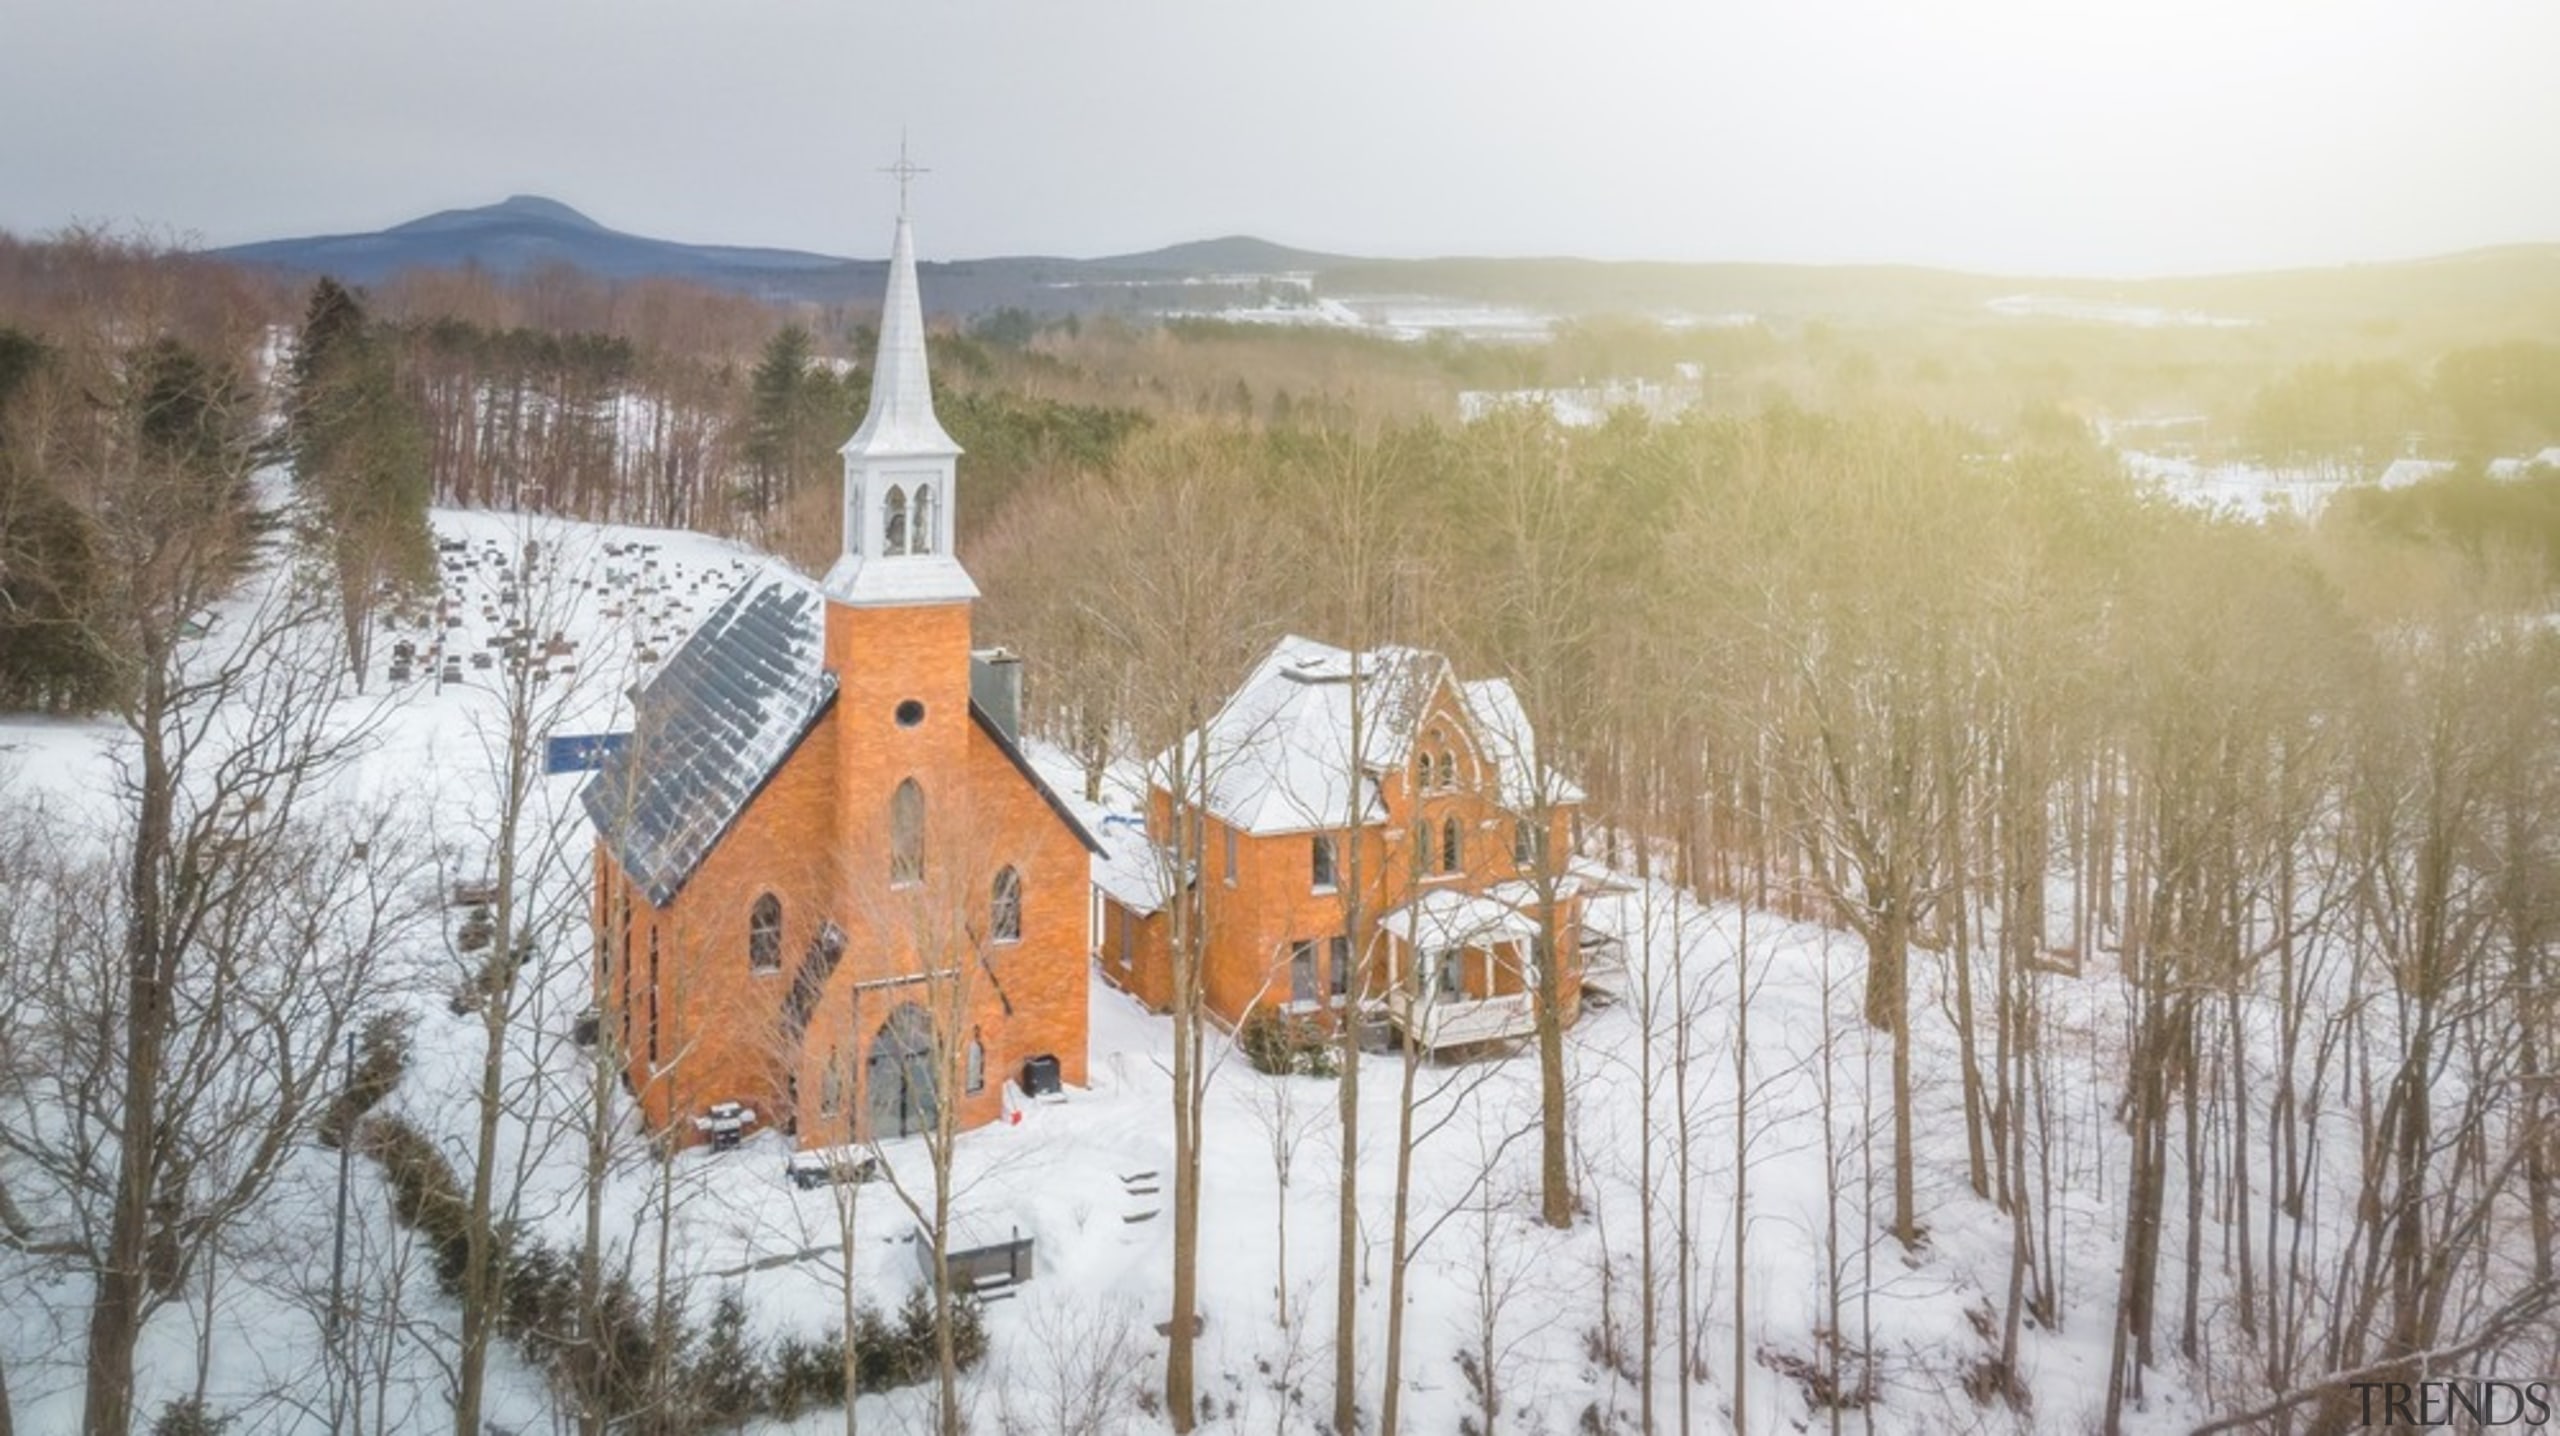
(526,233)
(1235,254)
(2515,287)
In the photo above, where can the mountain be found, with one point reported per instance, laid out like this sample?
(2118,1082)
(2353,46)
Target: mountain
(526,233)
(1234,254)
(522,234)
(2505,287)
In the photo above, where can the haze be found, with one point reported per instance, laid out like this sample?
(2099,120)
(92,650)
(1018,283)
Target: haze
(2007,135)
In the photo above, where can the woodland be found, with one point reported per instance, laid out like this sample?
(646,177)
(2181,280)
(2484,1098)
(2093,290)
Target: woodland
(1882,637)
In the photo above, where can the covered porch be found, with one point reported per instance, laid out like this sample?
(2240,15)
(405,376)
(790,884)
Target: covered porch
(1463,970)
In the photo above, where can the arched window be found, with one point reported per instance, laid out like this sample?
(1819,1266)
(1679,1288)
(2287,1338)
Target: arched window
(977,1069)
(893,521)
(764,934)
(1449,845)
(1007,917)
(906,834)
(1448,769)
(921,533)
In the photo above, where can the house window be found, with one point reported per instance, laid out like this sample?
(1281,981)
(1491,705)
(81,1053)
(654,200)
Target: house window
(1529,844)
(977,1070)
(1448,966)
(1339,958)
(1321,860)
(1448,770)
(921,533)
(1007,924)
(764,934)
(653,995)
(1449,852)
(1128,937)
(1302,972)
(906,834)
(893,521)
(1229,839)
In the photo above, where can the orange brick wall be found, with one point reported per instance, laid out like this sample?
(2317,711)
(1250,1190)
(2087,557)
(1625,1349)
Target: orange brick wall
(716,1013)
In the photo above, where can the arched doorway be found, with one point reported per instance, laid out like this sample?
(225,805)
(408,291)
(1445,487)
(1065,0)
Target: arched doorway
(900,1074)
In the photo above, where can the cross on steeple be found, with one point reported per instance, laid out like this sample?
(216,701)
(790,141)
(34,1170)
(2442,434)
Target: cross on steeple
(905,170)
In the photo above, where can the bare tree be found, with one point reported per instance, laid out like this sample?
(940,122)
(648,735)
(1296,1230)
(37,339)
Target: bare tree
(1192,615)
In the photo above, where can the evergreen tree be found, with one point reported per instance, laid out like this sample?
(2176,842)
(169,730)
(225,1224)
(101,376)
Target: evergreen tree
(359,452)
(50,661)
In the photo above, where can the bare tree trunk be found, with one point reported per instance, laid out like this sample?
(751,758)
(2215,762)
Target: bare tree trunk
(115,1314)
(1399,1232)
(1742,1178)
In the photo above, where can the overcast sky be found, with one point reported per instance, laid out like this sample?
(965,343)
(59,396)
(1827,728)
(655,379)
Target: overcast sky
(2011,135)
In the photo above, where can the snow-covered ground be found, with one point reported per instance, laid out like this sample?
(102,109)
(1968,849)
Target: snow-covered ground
(2104,311)
(1072,1172)
(1407,317)
(2160,452)
(1585,406)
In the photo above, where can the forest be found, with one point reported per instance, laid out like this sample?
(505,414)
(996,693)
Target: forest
(1881,637)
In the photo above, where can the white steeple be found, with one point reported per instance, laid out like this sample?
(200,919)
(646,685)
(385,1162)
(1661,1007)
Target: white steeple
(899,467)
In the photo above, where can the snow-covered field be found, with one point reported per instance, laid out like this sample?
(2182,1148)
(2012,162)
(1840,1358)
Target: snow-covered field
(1407,317)
(1070,1172)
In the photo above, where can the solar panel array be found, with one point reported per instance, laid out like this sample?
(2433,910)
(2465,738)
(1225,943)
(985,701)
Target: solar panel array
(710,728)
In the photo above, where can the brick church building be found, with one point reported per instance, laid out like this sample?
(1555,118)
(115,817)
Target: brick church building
(828,885)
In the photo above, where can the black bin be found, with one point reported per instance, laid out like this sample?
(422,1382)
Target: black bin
(1040,1076)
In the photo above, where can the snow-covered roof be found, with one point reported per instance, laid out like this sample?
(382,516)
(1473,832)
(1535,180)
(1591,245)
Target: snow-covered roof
(711,728)
(1279,752)
(901,422)
(1511,746)
(1581,878)
(1129,869)
(1447,917)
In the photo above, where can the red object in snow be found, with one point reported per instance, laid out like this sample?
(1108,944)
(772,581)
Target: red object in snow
(1017,1117)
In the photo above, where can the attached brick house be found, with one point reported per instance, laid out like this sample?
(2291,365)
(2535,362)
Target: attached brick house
(828,885)
(1454,842)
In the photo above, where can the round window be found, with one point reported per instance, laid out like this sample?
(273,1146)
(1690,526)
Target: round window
(910,713)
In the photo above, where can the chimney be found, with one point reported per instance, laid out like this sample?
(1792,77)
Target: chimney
(995,685)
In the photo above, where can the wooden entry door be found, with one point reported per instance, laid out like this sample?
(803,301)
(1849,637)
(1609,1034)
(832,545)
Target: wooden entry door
(900,1075)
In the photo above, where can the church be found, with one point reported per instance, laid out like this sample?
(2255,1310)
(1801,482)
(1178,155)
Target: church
(829,888)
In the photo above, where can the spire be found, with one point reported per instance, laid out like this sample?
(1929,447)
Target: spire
(901,421)
(900,468)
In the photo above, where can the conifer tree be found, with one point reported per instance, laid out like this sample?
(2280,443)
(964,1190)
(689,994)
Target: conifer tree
(358,447)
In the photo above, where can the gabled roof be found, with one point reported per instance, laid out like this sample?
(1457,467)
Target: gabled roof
(711,729)
(1279,751)
(1511,746)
